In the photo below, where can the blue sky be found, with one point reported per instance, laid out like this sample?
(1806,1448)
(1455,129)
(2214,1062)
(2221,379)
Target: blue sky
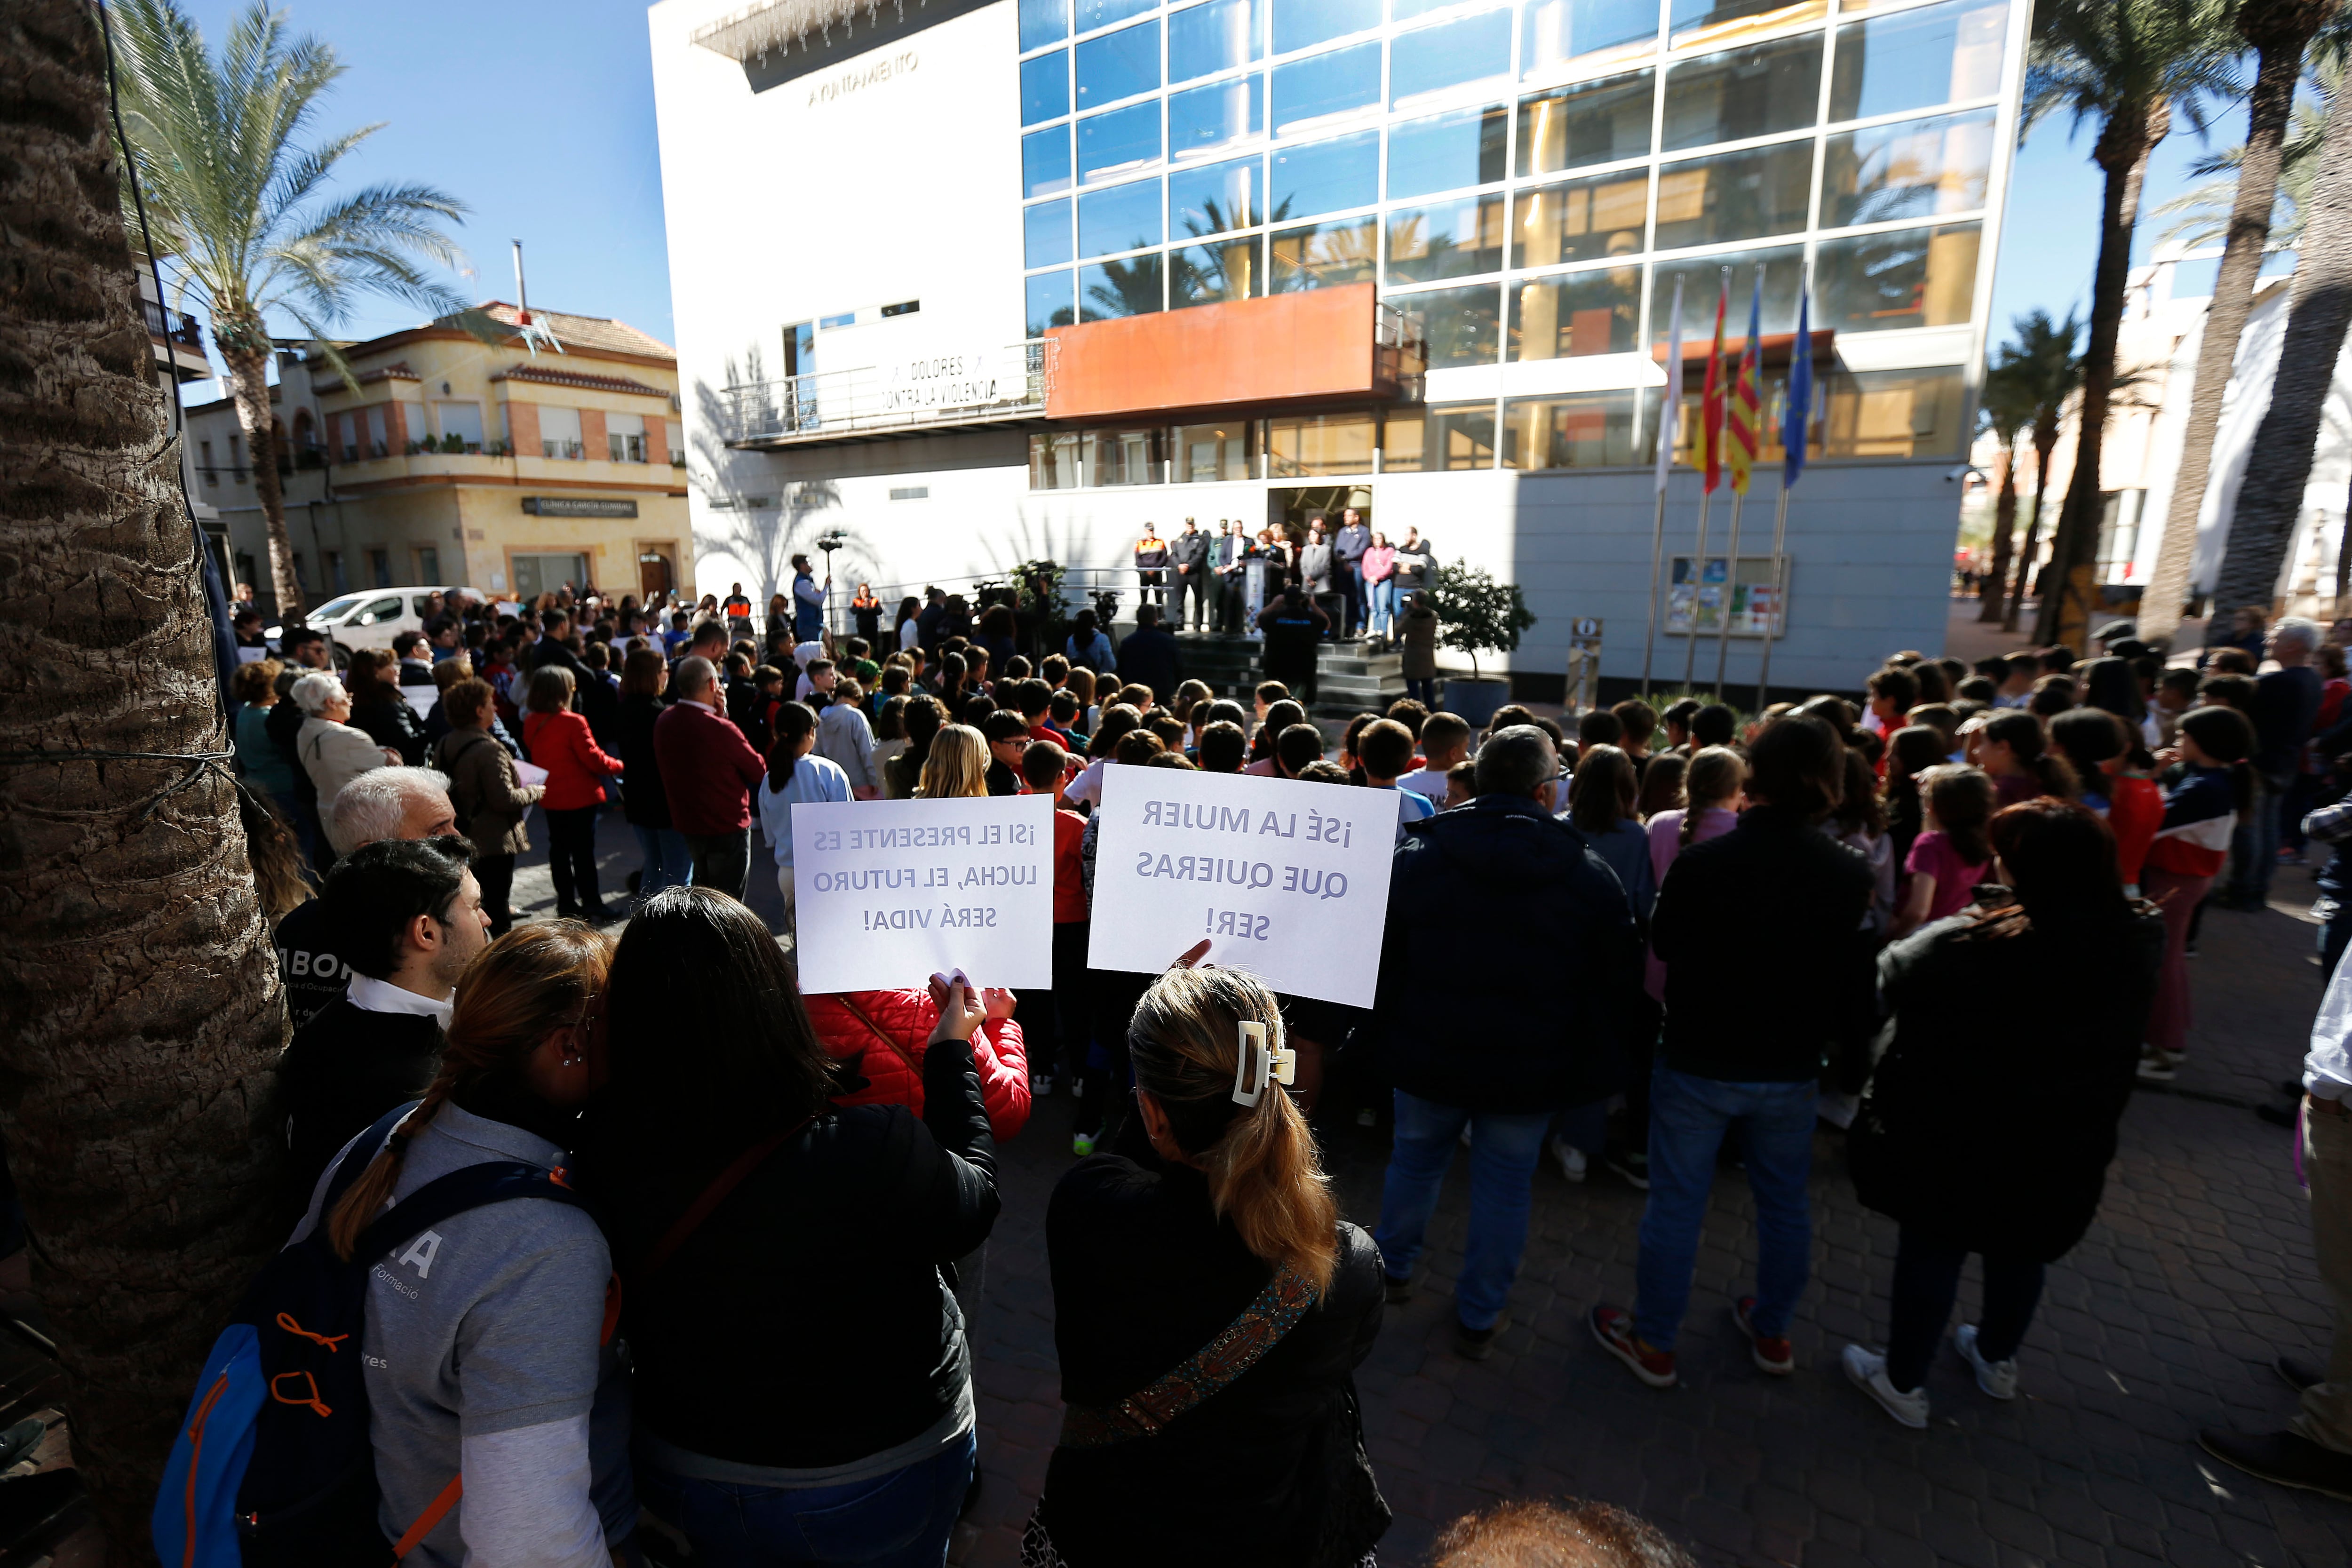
(539,116)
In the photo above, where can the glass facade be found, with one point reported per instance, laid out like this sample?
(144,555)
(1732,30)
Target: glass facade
(1526,180)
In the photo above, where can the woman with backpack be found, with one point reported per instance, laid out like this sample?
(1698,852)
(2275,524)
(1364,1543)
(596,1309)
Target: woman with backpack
(1209,1308)
(803,1386)
(486,1348)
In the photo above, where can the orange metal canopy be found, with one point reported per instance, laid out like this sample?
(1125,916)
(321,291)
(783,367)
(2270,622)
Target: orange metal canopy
(1283,348)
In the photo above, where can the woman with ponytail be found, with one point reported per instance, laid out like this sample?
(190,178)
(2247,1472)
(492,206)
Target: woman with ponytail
(1712,786)
(2014,749)
(485,1353)
(1210,1308)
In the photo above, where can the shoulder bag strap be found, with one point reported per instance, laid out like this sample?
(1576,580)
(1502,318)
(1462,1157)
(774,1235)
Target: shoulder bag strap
(1274,1313)
(470,1188)
(863,1017)
(726,1182)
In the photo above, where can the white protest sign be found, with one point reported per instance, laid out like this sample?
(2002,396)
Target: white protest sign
(887,891)
(1286,880)
(421,699)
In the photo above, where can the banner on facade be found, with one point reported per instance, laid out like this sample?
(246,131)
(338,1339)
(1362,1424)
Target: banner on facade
(1286,880)
(890,892)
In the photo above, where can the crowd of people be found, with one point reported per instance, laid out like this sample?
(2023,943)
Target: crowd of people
(820,1171)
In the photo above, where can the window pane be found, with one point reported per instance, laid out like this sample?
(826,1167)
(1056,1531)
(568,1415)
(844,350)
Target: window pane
(1580,220)
(1782,264)
(1914,168)
(1892,414)
(1309,443)
(1045,234)
(1113,289)
(1214,37)
(1556,30)
(1590,123)
(1735,196)
(1914,278)
(1118,65)
(1299,24)
(1207,453)
(1046,87)
(1327,176)
(1212,200)
(1447,150)
(1453,240)
(1458,439)
(1093,14)
(1744,92)
(1045,162)
(1121,457)
(1326,84)
(1124,217)
(1323,256)
(1050,302)
(1213,274)
(1210,116)
(1124,141)
(1582,313)
(1695,23)
(1915,59)
(1043,22)
(1462,326)
(1469,48)
(1053,461)
(1594,430)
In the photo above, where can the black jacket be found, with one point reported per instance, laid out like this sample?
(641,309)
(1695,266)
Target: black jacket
(1148,655)
(1992,1135)
(284,727)
(643,800)
(347,1067)
(1268,1472)
(314,973)
(1768,968)
(827,1260)
(389,720)
(1510,974)
(1190,549)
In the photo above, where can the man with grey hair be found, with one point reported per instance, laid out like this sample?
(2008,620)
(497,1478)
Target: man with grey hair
(378,806)
(1506,899)
(708,772)
(2284,709)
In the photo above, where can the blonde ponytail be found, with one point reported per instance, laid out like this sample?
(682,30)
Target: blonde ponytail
(1262,1170)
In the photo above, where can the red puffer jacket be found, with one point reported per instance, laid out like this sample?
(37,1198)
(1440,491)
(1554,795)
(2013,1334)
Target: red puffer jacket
(895,1076)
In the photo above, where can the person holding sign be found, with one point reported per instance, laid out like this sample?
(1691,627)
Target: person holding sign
(794,776)
(1209,1308)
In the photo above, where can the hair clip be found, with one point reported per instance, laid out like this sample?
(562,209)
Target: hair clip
(1255,1068)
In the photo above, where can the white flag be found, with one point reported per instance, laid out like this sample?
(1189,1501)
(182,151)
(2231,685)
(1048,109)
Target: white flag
(1670,413)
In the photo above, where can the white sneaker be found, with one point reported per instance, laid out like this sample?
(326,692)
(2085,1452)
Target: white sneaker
(1041,1085)
(1867,1370)
(2158,1065)
(1571,1159)
(1836,1108)
(1996,1378)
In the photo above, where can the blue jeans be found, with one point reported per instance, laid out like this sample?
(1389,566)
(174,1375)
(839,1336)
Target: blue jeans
(1687,1118)
(669,862)
(1383,595)
(2254,847)
(901,1519)
(1503,1154)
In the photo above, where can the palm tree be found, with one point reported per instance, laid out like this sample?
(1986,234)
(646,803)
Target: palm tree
(2201,213)
(140,1012)
(2047,374)
(240,214)
(2128,65)
(2270,501)
(2280,31)
(2007,411)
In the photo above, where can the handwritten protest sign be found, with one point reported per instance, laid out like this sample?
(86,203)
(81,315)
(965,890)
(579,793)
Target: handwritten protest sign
(889,891)
(1288,880)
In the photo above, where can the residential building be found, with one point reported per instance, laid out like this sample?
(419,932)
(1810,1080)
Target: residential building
(1031,273)
(552,458)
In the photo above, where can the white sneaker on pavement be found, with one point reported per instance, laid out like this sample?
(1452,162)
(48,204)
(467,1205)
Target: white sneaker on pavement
(1996,1378)
(1867,1370)
(1571,1159)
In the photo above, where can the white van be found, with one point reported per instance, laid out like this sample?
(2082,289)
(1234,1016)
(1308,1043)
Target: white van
(371,618)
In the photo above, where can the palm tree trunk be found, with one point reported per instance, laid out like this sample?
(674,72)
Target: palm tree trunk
(2045,441)
(2271,500)
(2123,152)
(249,384)
(2282,28)
(1993,585)
(139,1010)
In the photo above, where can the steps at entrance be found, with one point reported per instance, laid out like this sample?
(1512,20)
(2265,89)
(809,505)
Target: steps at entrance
(1349,678)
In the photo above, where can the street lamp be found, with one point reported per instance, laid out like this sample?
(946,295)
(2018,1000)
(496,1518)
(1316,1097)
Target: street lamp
(829,542)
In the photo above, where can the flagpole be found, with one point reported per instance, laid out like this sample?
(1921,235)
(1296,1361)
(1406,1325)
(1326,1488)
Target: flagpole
(1698,585)
(1730,592)
(1796,435)
(1780,599)
(1669,415)
(1657,554)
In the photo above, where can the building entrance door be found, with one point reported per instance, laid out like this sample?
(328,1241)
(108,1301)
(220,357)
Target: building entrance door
(653,577)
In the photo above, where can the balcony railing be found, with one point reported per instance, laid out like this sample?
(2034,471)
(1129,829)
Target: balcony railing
(949,390)
(183,331)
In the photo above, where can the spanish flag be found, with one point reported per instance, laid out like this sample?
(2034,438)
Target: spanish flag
(1745,434)
(1710,402)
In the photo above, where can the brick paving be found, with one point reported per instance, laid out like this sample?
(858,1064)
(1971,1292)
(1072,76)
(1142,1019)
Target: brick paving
(2198,1271)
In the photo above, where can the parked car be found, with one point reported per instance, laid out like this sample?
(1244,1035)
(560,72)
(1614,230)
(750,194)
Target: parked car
(371,618)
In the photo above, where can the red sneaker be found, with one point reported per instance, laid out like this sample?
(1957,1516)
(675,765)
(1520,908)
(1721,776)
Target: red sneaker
(1773,1353)
(1614,1330)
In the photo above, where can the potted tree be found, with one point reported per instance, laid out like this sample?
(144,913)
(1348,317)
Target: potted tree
(1477,614)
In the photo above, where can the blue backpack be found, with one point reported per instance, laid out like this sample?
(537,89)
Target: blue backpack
(273,1466)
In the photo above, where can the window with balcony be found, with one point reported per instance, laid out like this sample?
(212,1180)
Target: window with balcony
(463,421)
(559,432)
(1326,177)
(1206,40)
(1592,430)
(378,444)
(1587,122)
(1576,313)
(212,475)
(1917,59)
(1320,86)
(1912,168)
(1552,32)
(1735,195)
(1580,220)
(1448,239)
(1739,93)
(1447,151)
(1324,255)
(1303,24)
(1461,326)
(624,437)
(1910,278)
(1116,288)
(1449,55)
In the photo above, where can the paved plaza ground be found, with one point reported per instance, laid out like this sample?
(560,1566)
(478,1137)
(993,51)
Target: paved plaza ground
(2198,1271)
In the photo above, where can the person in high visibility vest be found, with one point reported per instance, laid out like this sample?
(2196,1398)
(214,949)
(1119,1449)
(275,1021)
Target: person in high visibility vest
(1151,567)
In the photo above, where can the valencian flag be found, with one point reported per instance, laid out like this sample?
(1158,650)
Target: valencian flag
(1710,402)
(1744,432)
(1799,414)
